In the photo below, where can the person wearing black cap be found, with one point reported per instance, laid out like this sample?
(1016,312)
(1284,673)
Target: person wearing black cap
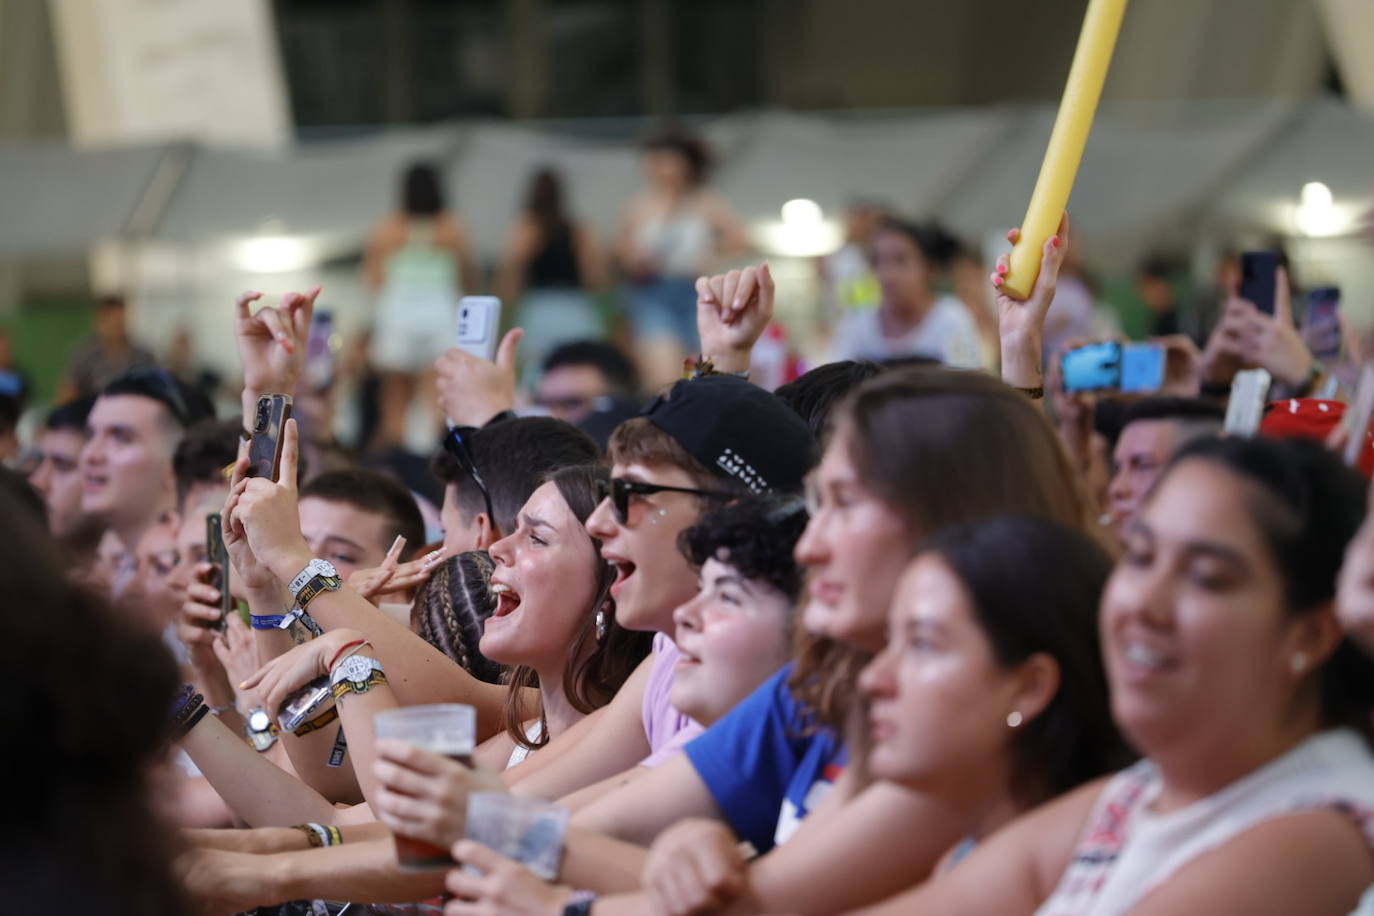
(706,441)
(127,482)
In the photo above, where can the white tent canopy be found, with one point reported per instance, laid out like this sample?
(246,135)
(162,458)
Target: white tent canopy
(1177,174)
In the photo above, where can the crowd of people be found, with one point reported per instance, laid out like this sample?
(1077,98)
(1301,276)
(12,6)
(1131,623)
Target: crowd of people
(920,631)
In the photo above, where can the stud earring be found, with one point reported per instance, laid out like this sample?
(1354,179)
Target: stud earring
(1298,662)
(1014,719)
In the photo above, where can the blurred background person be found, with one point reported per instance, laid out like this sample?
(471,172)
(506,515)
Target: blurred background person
(551,268)
(912,319)
(106,354)
(420,263)
(673,231)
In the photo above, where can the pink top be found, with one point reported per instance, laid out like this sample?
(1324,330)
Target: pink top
(667,729)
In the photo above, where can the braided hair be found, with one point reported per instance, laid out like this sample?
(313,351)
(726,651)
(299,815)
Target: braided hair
(451,609)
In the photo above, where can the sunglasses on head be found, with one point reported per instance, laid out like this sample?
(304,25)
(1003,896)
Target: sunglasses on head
(618,490)
(456,446)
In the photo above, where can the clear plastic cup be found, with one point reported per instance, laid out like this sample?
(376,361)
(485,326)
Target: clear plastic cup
(449,729)
(524,829)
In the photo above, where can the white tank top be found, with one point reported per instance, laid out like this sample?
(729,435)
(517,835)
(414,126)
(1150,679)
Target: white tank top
(1127,850)
(533,731)
(679,244)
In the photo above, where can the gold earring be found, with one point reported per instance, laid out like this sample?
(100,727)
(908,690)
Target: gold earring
(1014,719)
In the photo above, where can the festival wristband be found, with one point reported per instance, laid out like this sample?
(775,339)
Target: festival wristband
(269,621)
(356,674)
(185,728)
(315,833)
(352,644)
(317,723)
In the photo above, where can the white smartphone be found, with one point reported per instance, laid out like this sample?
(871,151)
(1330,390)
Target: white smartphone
(479,323)
(1245,409)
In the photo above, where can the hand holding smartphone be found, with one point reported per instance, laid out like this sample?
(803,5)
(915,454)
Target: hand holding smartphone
(216,554)
(1133,368)
(479,323)
(1259,278)
(264,449)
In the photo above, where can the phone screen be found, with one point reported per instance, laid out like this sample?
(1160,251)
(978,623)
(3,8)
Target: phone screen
(1096,367)
(1258,276)
(1142,367)
(216,554)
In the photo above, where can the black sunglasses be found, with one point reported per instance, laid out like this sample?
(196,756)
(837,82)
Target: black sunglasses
(618,489)
(455,445)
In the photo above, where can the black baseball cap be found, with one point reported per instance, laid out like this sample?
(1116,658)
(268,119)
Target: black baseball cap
(737,430)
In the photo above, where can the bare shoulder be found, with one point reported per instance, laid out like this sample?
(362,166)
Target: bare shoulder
(1312,862)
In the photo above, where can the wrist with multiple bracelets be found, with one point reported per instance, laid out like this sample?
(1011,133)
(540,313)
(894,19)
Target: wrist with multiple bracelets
(351,672)
(187,710)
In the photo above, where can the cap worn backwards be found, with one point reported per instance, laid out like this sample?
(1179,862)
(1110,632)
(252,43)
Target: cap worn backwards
(737,430)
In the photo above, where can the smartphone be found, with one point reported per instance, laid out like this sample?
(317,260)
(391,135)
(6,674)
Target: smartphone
(1357,414)
(321,351)
(1142,368)
(1096,367)
(1258,277)
(301,706)
(479,323)
(216,554)
(264,449)
(1321,325)
(1245,409)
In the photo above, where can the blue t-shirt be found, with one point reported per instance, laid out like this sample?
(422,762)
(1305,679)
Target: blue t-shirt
(764,772)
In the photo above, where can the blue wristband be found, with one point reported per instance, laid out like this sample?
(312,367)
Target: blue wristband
(580,904)
(267,621)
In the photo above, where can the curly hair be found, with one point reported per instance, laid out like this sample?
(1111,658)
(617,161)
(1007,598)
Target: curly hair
(451,609)
(754,535)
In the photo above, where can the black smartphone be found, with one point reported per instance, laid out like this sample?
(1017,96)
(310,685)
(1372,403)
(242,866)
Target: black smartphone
(264,449)
(1258,277)
(219,557)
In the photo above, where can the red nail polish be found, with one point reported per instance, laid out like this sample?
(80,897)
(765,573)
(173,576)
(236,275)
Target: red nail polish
(998,281)
(1002,269)
(1055,241)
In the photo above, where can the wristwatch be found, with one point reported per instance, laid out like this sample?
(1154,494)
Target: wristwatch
(356,674)
(261,731)
(318,576)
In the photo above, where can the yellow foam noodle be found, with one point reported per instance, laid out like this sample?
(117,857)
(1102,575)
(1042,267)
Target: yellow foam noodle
(1101,25)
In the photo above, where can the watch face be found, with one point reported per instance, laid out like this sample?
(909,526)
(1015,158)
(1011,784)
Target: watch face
(356,668)
(258,721)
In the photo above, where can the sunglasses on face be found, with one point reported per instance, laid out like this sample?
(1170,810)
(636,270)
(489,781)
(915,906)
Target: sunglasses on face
(618,490)
(455,445)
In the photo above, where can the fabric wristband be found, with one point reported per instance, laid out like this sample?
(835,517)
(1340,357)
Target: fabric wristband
(184,729)
(315,834)
(268,621)
(353,644)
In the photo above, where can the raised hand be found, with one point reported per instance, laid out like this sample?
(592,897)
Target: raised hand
(237,653)
(262,587)
(271,342)
(472,390)
(1021,322)
(269,515)
(1273,342)
(275,681)
(733,311)
(504,887)
(695,867)
(393,577)
(198,621)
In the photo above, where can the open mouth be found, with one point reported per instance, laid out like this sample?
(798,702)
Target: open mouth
(624,569)
(505,599)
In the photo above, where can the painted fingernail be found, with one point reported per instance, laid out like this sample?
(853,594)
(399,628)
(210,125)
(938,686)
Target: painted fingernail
(1054,242)
(998,281)
(1002,269)
(396,543)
